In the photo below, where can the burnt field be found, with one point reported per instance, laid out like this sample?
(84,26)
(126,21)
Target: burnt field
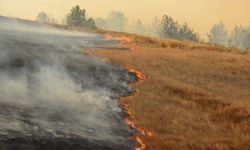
(53,96)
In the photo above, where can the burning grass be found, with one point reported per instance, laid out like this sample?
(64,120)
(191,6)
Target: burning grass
(130,117)
(195,96)
(117,38)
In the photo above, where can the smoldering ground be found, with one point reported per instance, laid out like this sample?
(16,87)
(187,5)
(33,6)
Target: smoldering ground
(52,96)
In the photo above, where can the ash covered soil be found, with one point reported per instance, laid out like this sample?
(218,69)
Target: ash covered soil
(53,96)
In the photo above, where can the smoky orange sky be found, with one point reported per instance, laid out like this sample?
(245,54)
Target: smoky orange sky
(199,14)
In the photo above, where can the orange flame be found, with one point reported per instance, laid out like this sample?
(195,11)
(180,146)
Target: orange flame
(139,140)
(117,38)
(138,74)
(131,124)
(140,130)
(128,121)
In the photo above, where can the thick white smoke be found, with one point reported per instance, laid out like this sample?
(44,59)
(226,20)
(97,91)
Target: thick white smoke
(50,89)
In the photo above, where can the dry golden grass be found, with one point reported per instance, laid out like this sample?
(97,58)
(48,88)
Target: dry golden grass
(195,97)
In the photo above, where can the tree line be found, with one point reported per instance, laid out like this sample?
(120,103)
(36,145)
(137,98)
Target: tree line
(76,17)
(238,38)
(166,27)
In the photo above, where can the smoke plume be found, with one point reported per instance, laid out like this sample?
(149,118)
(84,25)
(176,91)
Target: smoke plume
(53,96)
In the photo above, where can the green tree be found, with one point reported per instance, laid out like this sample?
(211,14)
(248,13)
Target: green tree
(169,28)
(77,16)
(172,30)
(186,33)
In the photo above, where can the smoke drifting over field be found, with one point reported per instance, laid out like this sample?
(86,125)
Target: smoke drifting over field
(52,96)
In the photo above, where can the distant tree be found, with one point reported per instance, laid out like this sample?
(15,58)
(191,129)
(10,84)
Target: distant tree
(64,20)
(169,28)
(138,27)
(172,30)
(45,18)
(101,23)
(42,17)
(246,39)
(218,34)
(77,17)
(91,22)
(236,39)
(186,33)
(154,28)
(117,21)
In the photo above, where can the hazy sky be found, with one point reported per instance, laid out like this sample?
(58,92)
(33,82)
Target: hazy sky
(200,14)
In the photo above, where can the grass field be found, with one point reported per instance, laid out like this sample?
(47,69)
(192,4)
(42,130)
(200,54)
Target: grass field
(195,96)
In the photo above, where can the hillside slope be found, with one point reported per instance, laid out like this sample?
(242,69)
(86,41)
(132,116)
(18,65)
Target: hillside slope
(195,96)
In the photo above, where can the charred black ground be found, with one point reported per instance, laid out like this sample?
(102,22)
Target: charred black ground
(53,96)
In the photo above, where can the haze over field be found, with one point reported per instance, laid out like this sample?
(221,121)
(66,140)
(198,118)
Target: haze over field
(53,93)
(124,75)
(199,14)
